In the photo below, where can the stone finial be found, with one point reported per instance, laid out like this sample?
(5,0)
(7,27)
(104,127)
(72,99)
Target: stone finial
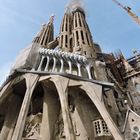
(52,18)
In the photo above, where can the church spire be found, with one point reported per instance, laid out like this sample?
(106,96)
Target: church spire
(46,34)
(83,43)
(75,35)
(65,41)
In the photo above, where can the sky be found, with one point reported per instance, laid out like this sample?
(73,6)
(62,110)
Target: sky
(20,20)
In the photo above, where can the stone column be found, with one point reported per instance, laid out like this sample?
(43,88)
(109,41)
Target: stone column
(70,67)
(62,85)
(62,66)
(42,59)
(95,93)
(48,62)
(79,69)
(31,81)
(88,71)
(13,109)
(51,109)
(54,64)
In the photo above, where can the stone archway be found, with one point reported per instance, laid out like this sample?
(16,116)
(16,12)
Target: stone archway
(83,112)
(52,123)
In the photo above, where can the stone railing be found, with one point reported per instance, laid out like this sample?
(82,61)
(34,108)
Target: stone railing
(65,62)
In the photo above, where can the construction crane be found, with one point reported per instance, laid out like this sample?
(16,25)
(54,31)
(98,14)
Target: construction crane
(128,10)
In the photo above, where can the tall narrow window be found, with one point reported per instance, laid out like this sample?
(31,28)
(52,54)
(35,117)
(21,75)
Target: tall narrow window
(66,41)
(77,37)
(75,20)
(61,41)
(71,42)
(66,25)
(84,22)
(79,20)
(82,35)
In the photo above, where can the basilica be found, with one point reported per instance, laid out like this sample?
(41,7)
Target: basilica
(66,88)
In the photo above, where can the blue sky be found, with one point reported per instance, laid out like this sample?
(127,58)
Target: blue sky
(111,27)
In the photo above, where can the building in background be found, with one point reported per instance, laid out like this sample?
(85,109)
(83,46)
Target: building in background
(66,88)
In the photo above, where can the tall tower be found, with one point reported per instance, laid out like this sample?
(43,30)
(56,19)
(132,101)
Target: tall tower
(46,34)
(83,43)
(65,41)
(75,35)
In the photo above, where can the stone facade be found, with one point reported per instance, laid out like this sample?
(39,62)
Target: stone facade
(68,89)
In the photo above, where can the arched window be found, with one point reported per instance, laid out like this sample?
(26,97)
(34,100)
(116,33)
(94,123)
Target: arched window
(66,39)
(75,20)
(77,37)
(66,25)
(71,42)
(82,35)
(79,20)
